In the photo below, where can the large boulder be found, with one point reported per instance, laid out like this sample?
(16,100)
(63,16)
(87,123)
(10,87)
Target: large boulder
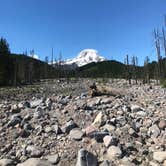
(159,156)
(35,162)
(7,162)
(53,159)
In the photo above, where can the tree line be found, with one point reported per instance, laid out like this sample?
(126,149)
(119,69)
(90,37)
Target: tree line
(17,69)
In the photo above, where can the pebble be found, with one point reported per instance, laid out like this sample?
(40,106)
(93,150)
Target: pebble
(162,124)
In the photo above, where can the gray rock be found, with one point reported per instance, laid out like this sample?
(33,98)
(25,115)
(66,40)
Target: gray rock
(34,151)
(27,126)
(7,162)
(159,156)
(76,134)
(132,132)
(99,120)
(36,103)
(48,129)
(126,108)
(135,108)
(141,113)
(26,104)
(15,119)
(110,140)
(86,158)
(48,103)
(53,159)
(105,163)
(106,100)
(109,127)
(39,112)
(56,129)
(15,108)
(162,124)
(114,152)
(38,129)
(63,101)
(83,95)
(99,135)
(126,161)
(69,126)
(152,163)
(27,117)
(121,120)
(35,162)
(154,131)
(90,130)
(136,125)
(20,105)
(24,133)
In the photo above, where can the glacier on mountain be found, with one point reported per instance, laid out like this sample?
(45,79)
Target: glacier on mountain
(86,56)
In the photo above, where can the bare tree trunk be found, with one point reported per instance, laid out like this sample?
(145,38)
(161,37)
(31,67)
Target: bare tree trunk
(157,45)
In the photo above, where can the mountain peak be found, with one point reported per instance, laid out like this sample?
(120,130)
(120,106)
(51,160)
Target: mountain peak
(87,52)
(86,56)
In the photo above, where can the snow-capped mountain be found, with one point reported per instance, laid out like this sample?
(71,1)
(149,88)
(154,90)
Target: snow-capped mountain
(84,57)
(35,56)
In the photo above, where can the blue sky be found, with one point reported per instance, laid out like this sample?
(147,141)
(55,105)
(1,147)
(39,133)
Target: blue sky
(113,27)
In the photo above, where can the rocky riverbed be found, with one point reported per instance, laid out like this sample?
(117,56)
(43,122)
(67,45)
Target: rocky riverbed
(60,124)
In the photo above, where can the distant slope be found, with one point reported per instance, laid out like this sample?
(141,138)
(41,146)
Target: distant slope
(103,69)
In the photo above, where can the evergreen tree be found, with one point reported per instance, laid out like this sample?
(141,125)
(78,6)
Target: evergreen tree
(4,47)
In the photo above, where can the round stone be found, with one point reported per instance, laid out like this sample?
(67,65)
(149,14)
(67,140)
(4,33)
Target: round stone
(76,134)
(162,124)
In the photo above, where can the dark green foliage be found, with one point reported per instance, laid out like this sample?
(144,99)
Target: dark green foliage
(106,69)
(114,69)
(163,83)
(6,69)
(20,69)
(4,47)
